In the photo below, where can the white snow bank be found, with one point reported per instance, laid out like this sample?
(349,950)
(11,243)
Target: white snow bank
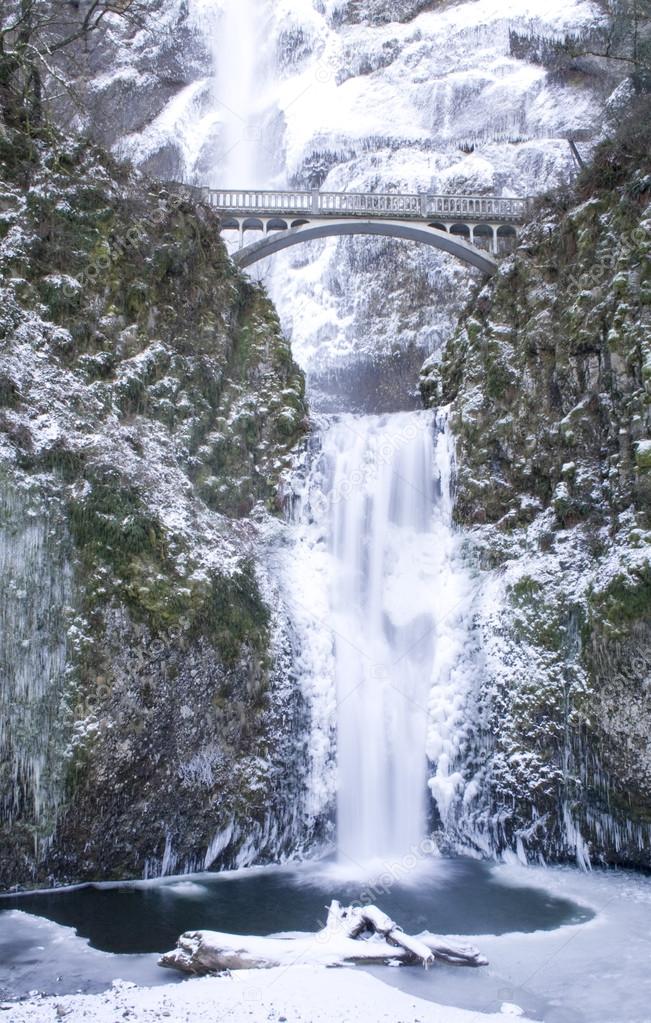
(596,971)
(302,994)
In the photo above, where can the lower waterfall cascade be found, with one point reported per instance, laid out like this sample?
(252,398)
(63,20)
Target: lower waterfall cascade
(375,535)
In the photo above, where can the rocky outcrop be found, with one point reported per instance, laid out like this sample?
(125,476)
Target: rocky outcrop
(125,73)
(148,405)
(549,384)
(381,12)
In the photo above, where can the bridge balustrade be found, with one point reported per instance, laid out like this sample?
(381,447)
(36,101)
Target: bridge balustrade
(477,207)
(368,204)
(261,202)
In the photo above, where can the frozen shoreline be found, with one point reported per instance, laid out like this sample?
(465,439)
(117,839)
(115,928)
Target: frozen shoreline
(300,994)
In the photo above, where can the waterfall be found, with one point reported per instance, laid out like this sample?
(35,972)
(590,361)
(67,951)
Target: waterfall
(376,556)
(236,88)
(237,35)
(374,549)
(382,531)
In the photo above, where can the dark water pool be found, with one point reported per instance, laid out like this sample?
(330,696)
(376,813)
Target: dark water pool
(451,896)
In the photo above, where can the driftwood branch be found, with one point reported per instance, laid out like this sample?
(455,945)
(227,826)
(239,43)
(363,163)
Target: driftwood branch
(356,920)
(353,934)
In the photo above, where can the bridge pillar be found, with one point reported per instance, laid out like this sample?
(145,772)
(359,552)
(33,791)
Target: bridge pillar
(424,202)
(315,200)
(241,230)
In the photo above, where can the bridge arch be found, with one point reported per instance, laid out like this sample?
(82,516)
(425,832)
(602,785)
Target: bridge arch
(453,243)
(252,224)
(483,236)
(507,238)
(461,231)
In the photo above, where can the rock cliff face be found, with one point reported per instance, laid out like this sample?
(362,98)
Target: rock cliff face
(148,401)
(549,384)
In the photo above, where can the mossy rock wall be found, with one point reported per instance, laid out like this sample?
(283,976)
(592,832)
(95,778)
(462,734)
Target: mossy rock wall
(549,388)
(149,405)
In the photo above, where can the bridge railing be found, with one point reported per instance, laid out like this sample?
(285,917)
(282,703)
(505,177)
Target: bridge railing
(477,207)
(259,202)
(314,203)
(370,204)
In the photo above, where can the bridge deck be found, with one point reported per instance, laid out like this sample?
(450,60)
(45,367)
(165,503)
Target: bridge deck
(314,203)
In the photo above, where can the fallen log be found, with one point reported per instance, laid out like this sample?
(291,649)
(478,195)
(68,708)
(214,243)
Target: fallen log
(361,935)
(356,919)
(455,955)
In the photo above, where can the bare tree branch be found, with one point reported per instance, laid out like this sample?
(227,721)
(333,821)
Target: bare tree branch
(34,34)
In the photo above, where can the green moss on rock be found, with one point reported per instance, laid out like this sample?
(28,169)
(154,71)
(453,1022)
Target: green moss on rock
(158,403)
(550,406)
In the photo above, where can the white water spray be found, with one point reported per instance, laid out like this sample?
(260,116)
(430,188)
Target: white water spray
(378,498)
(237,34)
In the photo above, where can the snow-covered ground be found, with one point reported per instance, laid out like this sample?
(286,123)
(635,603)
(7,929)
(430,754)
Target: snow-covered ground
(594,972)
(302,994)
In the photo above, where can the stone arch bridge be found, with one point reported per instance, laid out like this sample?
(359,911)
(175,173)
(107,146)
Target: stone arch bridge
(475,229)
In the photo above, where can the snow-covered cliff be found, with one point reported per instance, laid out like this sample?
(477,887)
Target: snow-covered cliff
(357,96)
(148,402)
(549,379)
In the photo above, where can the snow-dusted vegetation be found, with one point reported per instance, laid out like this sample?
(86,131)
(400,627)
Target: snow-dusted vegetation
(149,402)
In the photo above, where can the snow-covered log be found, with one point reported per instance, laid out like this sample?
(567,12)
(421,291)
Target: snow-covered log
(338,944)
(344,920)
(352,921)
(456,955)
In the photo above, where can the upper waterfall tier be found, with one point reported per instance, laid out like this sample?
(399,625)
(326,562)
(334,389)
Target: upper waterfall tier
(435,104)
